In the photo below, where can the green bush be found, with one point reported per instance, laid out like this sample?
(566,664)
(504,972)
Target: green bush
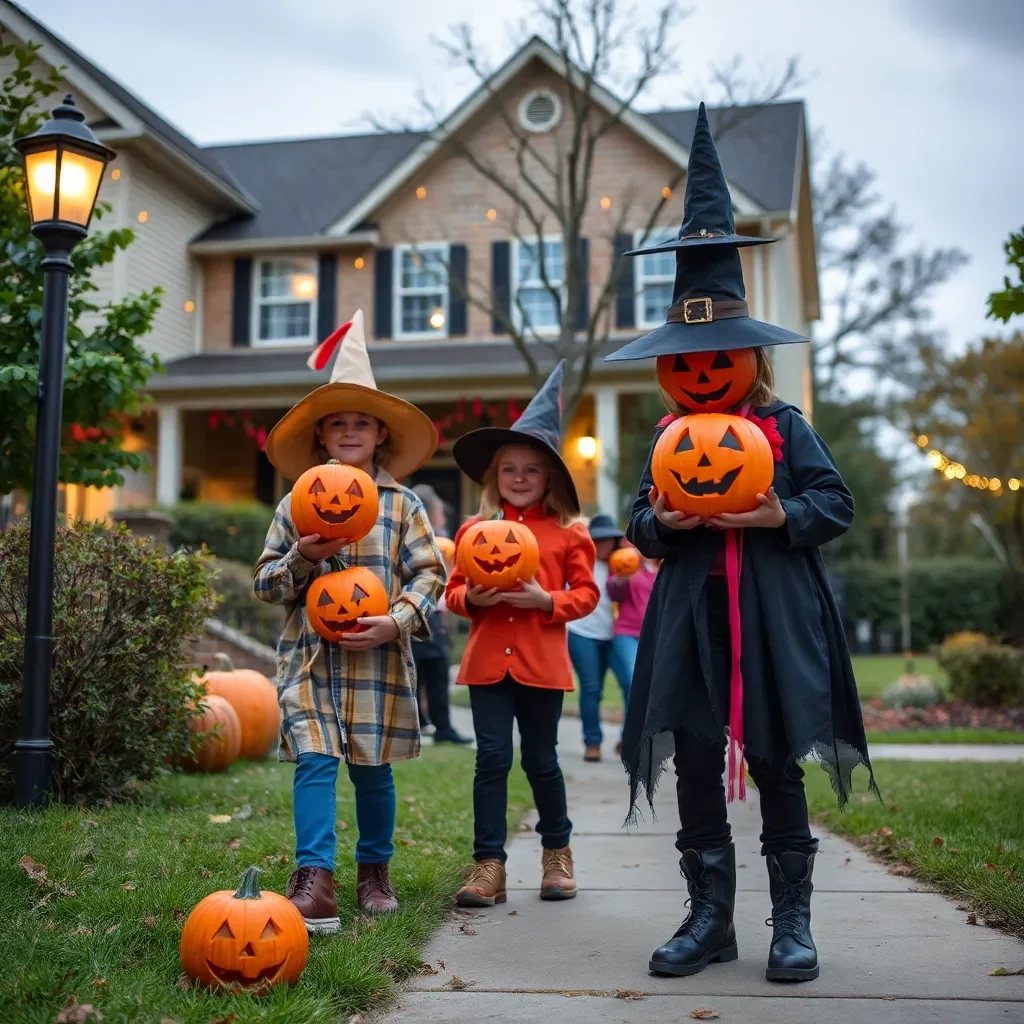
(947,595)
(235,531)
(124,613)
(986,674)
(239,607)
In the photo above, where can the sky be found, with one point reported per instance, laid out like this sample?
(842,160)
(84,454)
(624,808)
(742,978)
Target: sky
(925,92)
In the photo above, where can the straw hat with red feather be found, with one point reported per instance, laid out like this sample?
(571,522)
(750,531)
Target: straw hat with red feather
(291,445)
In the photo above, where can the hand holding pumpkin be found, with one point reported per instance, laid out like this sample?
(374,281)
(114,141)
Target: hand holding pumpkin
(529,595)
(769,514)
(377,630)
(314,549)
(483,597)
(673,520)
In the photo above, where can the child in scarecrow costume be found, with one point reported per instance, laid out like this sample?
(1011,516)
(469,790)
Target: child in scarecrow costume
(354,701)
(742,630)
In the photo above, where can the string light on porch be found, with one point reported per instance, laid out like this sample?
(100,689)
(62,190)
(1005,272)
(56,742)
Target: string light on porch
(953,470)
(484,413)
(222,418)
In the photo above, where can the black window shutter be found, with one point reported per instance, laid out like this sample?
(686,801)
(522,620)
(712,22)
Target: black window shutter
(327,295)
(241,304)
(457,258)
(382,290)
(625,305)
(501,286)
(583,311)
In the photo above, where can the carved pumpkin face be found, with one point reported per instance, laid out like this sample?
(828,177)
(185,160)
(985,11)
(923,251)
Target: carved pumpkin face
(447,548)
(337,501)
(336,600)
(708,381)
(624,561)
(498,553)
(244,939)
(712,463)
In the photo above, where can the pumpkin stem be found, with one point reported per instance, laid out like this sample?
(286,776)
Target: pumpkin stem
(223,663)
(249,887)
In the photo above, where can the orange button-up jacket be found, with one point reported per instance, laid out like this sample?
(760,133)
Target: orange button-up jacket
(527,643)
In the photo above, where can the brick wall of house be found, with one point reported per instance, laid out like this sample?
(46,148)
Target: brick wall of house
(243,651)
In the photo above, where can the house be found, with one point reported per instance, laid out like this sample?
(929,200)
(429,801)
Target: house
(263,247)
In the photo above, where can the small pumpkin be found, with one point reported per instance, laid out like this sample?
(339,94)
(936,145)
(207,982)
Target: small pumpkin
(498,553)
(222,732)
(447,548)
(708,381)
(335,600)
(254,698)
(337,501)
(712,463)
(245,939)
(624,561)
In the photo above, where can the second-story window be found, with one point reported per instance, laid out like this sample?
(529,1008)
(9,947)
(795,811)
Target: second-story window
(421,291)
(535,306)
(285,297)
(655,274)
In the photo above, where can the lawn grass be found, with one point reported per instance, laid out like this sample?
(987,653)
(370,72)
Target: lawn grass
(137,870)
(979,736)
(956,826)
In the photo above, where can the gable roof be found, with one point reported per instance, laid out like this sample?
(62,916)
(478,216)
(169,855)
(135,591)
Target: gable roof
(205,161)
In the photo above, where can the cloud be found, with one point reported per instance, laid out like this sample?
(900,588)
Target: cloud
(992,25)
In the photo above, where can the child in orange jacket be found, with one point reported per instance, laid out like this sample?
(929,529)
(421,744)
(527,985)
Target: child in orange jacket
(517,659)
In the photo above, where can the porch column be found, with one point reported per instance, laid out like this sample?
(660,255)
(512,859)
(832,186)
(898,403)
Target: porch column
(791,362)
(606,426)
(168,454)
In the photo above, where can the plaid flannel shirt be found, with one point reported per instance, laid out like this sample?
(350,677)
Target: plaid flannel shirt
(358,705)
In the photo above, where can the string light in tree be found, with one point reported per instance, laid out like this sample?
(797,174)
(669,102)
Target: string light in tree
(953,470)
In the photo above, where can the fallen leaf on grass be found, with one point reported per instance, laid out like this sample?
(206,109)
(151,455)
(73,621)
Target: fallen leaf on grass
(1002,972)
(219,819)
(164,871)
(972,918)
(885,831)
(204,873)
(233,844)
(388,966)
(902,870)
(224,1020)
(938,841)
(341,826)
(99,982)
(426,968)
(702,1013)
(456,984)
(179,915)
(82,930)
(628,994)
(75,1012)
(35,871)
(89,823)
(127,886)
(150,921)
(244,812)
(113,928)
(409,799)
(184,983)
(407,842)
(278,858)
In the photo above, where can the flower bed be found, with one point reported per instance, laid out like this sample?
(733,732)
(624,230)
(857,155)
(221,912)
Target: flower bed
(880,718)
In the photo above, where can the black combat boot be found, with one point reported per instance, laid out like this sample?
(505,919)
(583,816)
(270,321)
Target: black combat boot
(707,934)
(793,956)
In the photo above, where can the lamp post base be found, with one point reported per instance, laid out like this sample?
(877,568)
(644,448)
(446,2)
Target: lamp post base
(33,760)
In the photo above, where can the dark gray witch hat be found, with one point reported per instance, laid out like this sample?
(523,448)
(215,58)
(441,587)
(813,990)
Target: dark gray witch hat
(540,427)
(709,308)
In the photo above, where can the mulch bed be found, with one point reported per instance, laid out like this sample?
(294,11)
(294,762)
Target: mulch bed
(955,715)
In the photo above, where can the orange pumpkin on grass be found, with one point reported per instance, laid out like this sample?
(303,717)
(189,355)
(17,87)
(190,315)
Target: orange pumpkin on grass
(337,501)
(624,561)
(245,939)
(336,600)
(712,463)
(708,381)
(222,736)
(498,553)
(254,698)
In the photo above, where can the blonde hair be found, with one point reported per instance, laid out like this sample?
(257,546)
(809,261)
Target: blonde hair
(760,395)
(557,502)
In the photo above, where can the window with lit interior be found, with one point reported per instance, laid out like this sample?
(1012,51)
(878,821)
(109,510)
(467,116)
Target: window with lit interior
(421,291)
(285,297)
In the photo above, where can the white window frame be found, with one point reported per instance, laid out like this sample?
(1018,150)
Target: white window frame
(398,292)
(654,236)
(515,284)
(258,301)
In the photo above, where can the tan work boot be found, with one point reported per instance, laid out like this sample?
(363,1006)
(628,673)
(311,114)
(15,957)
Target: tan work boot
(558,882)
(485,885)
(311,890)
(592,753)
(374,892)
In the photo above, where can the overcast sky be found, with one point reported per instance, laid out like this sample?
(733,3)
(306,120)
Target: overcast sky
(927,92)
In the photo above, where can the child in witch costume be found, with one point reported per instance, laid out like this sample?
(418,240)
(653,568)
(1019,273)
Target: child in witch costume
(742,629)
(516,662)
(354,701)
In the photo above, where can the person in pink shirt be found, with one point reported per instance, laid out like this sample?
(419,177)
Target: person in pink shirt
(631,594)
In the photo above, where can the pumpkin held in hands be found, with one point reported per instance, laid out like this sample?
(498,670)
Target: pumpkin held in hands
(498,553)
(254,698)
(222,736)
(624,561)
(338,502)
(244,939)
(708,381)
(336,600)
(712,463)
(447,548)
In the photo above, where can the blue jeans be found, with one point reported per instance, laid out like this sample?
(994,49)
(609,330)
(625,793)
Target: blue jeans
(591,660)
(315,809)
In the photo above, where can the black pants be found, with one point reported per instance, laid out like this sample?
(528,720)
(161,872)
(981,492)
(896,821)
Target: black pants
(537,712)
(700,766)
(432,679)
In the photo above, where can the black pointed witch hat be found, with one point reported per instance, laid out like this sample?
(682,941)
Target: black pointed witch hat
(709,308)
(540,427)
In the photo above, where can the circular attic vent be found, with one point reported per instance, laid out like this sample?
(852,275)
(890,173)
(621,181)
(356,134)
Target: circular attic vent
(540,111)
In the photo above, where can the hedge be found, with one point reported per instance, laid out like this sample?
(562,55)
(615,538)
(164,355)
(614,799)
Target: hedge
(232,531)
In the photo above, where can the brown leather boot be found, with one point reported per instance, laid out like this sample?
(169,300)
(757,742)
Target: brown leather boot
(592,753)
(374,893)
(312,892)
(558,882)
(485,885)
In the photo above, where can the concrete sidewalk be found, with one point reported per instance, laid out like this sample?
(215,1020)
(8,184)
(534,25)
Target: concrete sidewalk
(890,953)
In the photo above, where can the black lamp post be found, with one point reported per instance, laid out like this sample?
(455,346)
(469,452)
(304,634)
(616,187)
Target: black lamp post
(64,165)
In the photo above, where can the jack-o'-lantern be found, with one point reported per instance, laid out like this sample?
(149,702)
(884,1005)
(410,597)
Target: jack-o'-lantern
(712,463)
(708,381)
(244,939)
(498,553)
(337,501)
(624,561)
(447,548)
(336,600)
